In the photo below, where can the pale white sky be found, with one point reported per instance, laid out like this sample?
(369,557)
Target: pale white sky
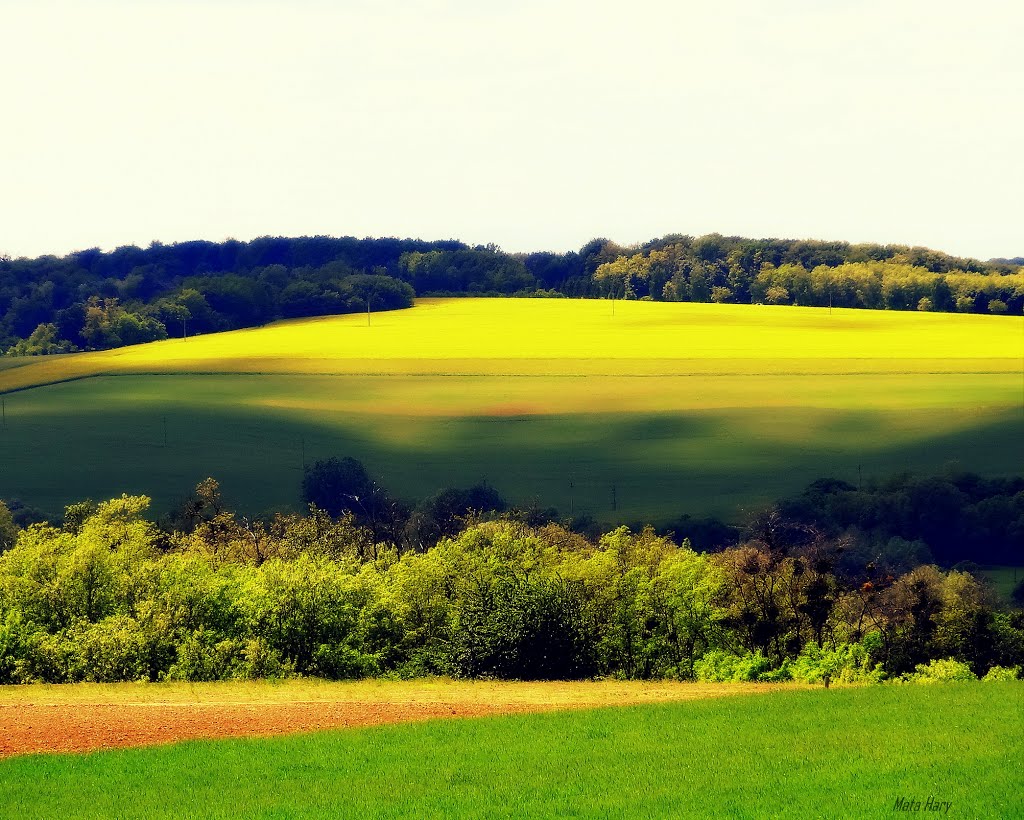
(534,125)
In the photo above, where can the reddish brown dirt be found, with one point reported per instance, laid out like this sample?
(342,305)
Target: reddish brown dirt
(28,728)
(86,717)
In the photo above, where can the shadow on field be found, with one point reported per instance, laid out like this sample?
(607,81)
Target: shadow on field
(100,437)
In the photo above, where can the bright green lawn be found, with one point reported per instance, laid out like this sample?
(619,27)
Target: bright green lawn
(667,408)
(838,753)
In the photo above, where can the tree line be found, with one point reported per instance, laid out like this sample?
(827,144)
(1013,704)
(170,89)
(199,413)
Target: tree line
(906,519)
(107,594)
(93,299)
(898,522)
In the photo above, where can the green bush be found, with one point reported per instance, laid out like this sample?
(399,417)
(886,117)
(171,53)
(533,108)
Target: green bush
(846,663)
(260,660)
(109,597)
(947,670)
(1002,673)
(721,666)
(12,649)
(716,666)
(115,649)
(201,656)
(754,666)
(338,661)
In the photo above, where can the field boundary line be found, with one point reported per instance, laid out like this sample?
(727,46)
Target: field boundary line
(474,375)
(82,377)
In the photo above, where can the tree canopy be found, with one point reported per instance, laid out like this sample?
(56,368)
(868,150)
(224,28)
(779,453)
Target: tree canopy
(93,299)
(108,595)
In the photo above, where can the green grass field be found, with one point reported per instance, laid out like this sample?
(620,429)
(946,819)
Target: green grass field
(667,408)
(1004,580)
(812,753)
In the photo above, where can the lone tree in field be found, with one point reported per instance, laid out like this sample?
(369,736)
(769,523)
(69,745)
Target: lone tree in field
(623,276)
(334,485)
(342,485)
(376,291)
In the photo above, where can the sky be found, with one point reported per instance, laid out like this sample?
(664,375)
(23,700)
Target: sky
(532,125)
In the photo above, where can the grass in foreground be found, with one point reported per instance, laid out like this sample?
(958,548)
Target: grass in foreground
(812,753)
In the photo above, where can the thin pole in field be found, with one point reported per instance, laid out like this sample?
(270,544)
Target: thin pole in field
(369,299)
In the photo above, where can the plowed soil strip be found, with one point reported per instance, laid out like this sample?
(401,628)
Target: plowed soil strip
(27,727)
(83,728)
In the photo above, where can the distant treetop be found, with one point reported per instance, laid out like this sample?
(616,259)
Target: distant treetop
(94,299)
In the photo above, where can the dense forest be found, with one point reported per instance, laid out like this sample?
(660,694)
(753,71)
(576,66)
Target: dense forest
(108,595)
(893,524)
(93,299)
(819,586)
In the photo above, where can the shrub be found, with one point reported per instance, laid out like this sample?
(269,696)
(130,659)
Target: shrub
(716,666)
(720,666)
(12,649)
(338,661)
(846,663)
(260,660)
(202,657)
(115,649)
(1002,673)
(947,670)
(8,528)
(755,666)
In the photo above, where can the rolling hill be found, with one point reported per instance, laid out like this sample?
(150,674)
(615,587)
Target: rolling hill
(623,411)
